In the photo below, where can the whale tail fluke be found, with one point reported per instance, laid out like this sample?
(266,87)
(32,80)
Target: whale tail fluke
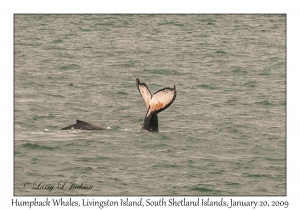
(155,103)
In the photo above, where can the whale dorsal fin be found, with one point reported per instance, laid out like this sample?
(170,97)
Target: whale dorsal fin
(161,100)
(144,91)
(79,121)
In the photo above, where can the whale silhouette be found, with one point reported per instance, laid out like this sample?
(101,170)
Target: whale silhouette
(155,103)
(81,125)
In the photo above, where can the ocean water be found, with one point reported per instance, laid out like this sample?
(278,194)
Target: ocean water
(225,134)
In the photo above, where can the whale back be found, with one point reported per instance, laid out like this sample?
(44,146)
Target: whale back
(81,125)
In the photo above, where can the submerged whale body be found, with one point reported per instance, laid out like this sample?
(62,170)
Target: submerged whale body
(155,103)
(81,125)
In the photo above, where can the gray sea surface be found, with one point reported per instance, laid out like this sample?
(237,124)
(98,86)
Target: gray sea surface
(225,134)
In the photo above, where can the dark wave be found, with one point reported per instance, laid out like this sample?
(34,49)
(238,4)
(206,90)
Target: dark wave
(70,67)
(37,146)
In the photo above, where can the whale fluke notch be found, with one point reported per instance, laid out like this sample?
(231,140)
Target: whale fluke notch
(81,125)
(155,103)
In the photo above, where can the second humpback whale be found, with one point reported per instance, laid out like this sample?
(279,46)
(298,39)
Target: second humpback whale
(81,125)
(155,103)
